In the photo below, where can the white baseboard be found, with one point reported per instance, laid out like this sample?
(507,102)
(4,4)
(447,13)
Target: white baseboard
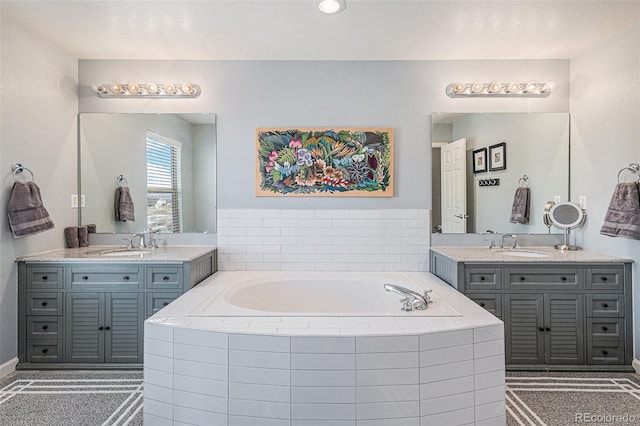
(10,366)
(636,365)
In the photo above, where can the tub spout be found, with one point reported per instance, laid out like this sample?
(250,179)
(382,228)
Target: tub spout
(411,299)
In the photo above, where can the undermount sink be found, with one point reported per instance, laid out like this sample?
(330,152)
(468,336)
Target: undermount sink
(119,253)
(524,253)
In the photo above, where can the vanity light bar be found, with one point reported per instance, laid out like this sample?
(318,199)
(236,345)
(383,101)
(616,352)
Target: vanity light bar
(532,89)
(147,90)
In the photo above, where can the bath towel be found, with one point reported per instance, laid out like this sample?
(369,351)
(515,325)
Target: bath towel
(71,235)
(520,208)
(83,236)
(124,205)
(27,214)
(623,215)
(91,228)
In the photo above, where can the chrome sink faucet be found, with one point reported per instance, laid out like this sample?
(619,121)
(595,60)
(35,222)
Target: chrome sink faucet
(515,240)
(142,242)
(411,299)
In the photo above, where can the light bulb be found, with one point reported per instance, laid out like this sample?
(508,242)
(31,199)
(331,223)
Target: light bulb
(531,87)
(152,88)
(549,86)
(477,87)
(116,88)
(169,88)
(329,6)
(513,87)
(187,88)
(495,87)
(458,87)
(133,88)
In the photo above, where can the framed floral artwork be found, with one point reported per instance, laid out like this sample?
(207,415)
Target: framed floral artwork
(324,162)
(480,160)
(498,156)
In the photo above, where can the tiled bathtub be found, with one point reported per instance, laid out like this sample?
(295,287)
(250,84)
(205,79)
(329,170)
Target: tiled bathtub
(395,369)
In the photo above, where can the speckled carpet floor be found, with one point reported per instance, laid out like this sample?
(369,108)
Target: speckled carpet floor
(87,398)
(90,398)
(538,399)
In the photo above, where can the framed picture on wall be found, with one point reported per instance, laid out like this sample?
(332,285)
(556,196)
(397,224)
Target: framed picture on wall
(498,156)
(480,160)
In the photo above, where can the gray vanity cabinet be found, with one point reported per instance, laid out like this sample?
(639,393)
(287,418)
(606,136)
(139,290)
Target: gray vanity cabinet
(557,315)
(91,314)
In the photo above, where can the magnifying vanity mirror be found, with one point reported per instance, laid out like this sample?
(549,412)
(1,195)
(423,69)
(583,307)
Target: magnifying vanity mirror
(536,145)
(565,216)
(167,162)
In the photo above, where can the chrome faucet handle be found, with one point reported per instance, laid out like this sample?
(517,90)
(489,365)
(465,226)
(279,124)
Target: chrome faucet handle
(141,235)
(129,242)
(515,243)
(427,297)
(407,306)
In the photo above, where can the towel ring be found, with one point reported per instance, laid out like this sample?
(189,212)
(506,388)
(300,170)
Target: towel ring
(633,168)
(523,182)
(121,179)
(19,168)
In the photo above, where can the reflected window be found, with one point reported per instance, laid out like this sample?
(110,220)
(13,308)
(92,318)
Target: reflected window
(164,189)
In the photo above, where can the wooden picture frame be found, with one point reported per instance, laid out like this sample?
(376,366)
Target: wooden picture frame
(324,162)
(480,160)
(498,156)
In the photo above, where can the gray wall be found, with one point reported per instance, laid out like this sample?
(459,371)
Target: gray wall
(39,105)
(250,94)
(605,137)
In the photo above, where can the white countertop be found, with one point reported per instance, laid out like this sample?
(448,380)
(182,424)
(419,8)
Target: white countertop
(404,323)
(119,254)
(484,254)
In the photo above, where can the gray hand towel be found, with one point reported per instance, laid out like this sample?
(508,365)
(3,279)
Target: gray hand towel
(83,236)
(520,208)
(124,205)
(27,214)
(623,215)
(71,235)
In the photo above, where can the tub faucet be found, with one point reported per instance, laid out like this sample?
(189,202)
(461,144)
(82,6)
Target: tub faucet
(411,299)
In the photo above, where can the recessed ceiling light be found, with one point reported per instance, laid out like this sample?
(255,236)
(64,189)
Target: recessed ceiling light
(331,7)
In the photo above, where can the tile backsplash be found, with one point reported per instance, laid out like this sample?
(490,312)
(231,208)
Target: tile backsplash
(322,239)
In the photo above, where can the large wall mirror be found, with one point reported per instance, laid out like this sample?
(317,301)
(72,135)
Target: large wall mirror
(167,162)
(467,196)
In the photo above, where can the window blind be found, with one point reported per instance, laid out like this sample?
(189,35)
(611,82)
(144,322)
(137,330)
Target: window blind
(163,183)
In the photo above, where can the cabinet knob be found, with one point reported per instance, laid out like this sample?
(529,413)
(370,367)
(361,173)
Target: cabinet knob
(521,278)
(44,278)
(605,305)
(166,303)
(126,278)
(107,328)
(100,328)
(605,352)
(44,327)
(165,278)
(84,277)
(547,329)
(563,278)
(44,303)
(603,278)
(45,350)
(482,304)
(540,328)
(605,328)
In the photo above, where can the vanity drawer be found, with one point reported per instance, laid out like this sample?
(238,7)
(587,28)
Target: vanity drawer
(44,303)
(490,302)
(544,278)
(169,277)
(611,329)
(157,301)
(45,351)
(605,352)
(44,327)
(605,305)
(106,277)
(44,278)
(481,278)
(605,279)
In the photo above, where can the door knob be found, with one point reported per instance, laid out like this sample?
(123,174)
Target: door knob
(461,216)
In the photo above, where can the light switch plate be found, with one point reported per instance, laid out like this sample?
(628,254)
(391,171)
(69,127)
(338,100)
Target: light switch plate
(582,202)
(74,201)
(556,199)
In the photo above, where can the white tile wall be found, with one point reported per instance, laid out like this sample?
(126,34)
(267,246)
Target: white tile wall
(339,240)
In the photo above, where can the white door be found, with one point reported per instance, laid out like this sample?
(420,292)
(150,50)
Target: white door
(454,186)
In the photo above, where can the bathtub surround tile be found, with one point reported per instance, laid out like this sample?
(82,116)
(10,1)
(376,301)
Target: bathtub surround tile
(447,371)
(305,361)
(158,332)
(446,355)
(388,410)
(323,395)
(159,363)
(259,359)
(489,395)
(376,394)
(198,417)
(323,411)
(270,393)
(447,403)
(203,370)
(485,334)
(446,340)
(216,388)
(272,410)
(446,387)
(461,417)
(158,378)
(387,344)
(158,393)
(382,238)
(150,419)
(326,378)
(488,364)
(328,345)
(247,342)
(265,376)
(158,409)
(404,421)
(201,354)
(253,421)
(200,402)
(488,380)
(376,361)
(158,347)
(388,377)
(490,348)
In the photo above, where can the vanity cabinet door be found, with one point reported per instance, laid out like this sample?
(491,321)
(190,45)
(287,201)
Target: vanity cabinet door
(157,301)
(490,302)
(123,327)
(564,329)
(84,327)
(524,328)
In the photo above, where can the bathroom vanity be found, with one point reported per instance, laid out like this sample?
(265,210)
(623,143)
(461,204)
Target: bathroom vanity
(561,310)
(82,308)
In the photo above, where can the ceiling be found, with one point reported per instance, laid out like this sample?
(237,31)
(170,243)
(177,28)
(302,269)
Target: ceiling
(295,30)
